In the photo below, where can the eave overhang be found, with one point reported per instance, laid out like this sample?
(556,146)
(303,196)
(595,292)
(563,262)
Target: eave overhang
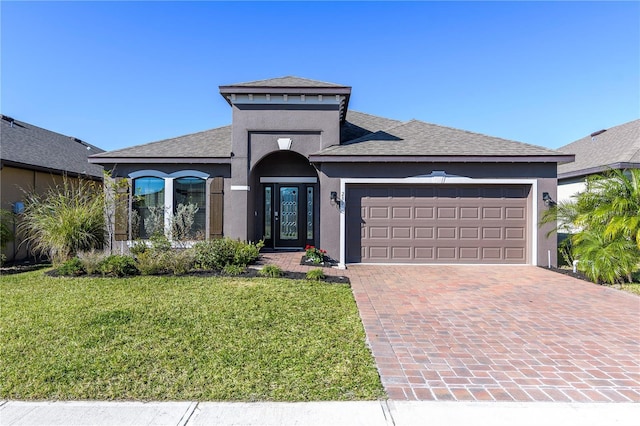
(315,158)
(598,169)
(160,160)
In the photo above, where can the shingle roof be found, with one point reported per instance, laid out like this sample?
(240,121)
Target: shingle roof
(617,147)
(359,124)
(25,145)
(417,138)
(361,135)
(214,143)
(288,81)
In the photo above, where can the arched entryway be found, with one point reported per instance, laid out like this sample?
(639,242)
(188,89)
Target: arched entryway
(286,201)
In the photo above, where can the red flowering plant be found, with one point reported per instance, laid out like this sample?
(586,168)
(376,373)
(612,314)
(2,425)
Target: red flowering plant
(314,254)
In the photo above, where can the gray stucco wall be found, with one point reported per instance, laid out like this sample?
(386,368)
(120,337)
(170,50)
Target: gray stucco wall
(330,174)
(256,130)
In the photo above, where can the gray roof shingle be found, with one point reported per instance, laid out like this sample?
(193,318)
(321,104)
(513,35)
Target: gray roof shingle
(617,146)
(417,138)
(25,145)
(361,135)
(288,81)
(214,143)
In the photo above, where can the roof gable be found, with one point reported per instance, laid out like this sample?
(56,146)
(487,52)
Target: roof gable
(29,146)
(287,82)
(213,143)
(617,147)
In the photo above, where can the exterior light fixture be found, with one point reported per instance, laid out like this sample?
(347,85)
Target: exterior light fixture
(548,201)
(334,196)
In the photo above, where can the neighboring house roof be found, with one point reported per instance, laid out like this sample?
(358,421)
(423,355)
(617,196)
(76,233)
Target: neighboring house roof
(27,146)
(195,147)
(614,148)
(362,135)
(287,82)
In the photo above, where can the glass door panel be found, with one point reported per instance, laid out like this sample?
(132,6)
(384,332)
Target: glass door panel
(289,213)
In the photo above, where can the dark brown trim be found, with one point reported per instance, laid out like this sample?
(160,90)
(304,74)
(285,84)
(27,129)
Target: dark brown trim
(598,169)
(444,159)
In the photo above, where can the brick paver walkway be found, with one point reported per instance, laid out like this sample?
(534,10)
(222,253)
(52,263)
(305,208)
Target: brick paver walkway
(486,333)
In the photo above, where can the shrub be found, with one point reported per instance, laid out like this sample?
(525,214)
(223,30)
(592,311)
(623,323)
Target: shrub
(160,243)
(150,263)
(91,261)
(138,247)
(315,275)
(233,270)
(216,254)
(65,220)
(6,232)
(71,267)
(118,266)
(179,262)
(271,271)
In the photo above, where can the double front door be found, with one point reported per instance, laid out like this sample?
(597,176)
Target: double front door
(289,213)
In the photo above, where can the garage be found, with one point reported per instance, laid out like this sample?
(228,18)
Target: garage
(475,224)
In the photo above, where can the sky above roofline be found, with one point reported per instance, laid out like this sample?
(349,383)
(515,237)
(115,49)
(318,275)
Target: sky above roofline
(118,74)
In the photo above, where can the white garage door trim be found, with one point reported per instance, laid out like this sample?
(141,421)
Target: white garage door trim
(440,179)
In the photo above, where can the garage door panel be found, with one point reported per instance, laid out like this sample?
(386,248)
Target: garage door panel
(514,213)
(423,232)
(469,253)
(437,224)
(448,233)
(401,212)
(403,232)
(424,212)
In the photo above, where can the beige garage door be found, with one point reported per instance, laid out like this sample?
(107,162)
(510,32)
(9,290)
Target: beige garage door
(437,224)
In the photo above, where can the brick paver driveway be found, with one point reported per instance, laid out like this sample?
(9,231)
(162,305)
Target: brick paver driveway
(508,333)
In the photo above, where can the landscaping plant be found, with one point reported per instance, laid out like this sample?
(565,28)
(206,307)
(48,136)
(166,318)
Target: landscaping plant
(65,220)
(604,224)
(314,254)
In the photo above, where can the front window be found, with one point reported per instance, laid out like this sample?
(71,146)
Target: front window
(148,207)
(189,212)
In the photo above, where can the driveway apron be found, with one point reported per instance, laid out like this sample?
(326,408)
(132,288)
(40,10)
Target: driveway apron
(498,333)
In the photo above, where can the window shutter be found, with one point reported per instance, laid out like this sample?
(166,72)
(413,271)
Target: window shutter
(216,208)
(121,213)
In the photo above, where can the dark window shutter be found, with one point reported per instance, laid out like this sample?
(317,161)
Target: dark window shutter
(121,219)
(216,208)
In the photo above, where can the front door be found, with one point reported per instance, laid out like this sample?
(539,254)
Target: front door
(289,215)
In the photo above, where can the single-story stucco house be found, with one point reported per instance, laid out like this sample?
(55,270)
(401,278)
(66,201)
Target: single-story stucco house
(36,159)
(296,167)
(614,148)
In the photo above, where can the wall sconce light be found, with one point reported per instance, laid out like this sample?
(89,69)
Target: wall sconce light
(334,196)
(548,201)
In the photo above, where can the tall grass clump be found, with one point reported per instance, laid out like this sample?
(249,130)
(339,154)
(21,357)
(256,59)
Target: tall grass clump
(65,220)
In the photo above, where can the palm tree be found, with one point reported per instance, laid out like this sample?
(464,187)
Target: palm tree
(605,223)
(617,198)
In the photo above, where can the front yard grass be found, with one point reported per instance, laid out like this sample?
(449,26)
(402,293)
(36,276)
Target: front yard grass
(181,338)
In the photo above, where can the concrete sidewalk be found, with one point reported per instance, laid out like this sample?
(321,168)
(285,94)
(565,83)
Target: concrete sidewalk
(369,413)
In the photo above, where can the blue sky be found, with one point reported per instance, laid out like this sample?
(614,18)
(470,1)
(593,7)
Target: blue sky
(118,74)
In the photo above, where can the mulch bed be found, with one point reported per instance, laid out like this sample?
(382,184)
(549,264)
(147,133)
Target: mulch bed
(250,272)
(568,272)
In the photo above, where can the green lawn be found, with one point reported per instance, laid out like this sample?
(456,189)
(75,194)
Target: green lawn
(181,338)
